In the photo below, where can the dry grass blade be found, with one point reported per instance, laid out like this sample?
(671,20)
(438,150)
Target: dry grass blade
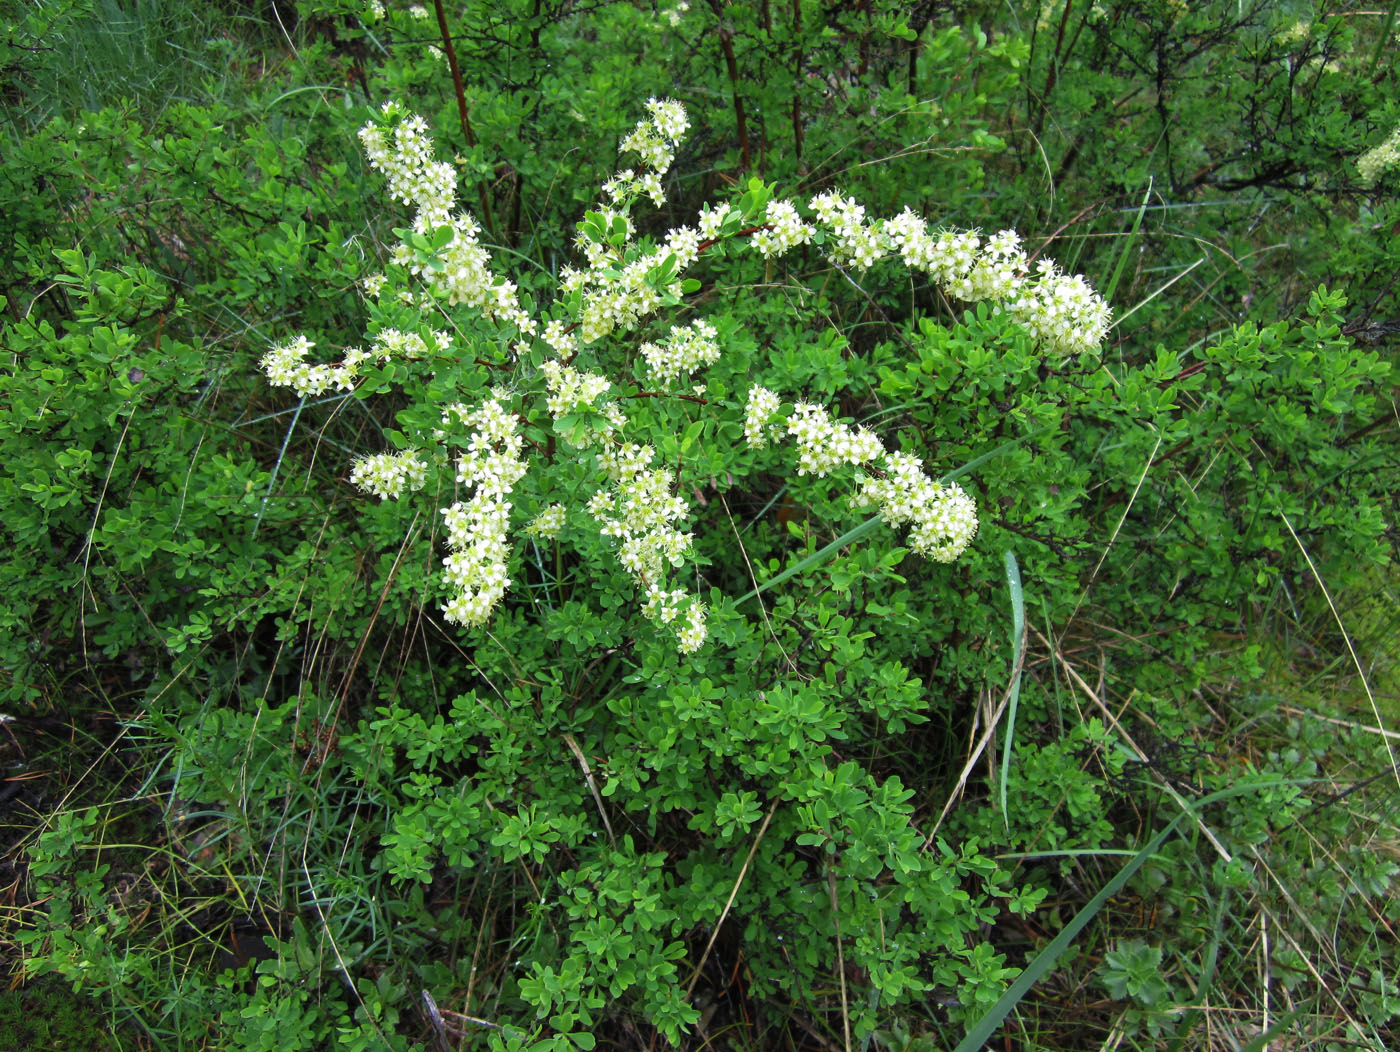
(1142,756)
(976,753)
(592,785)
(1346,636)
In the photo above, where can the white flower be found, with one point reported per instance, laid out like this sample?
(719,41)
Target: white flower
(548,523)
(461,272)
(477,528)
(385,475)
(654,140)
(687,350)
(762,404)
(852,242)
(824,443)
(641,512)
(406,159)
(675,15)
(286,366)
(786,231)
(943,517)
(712,218)
(1376,161)
(570,389)
(1062,312)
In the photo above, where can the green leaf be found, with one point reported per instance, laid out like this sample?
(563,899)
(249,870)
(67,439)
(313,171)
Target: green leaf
(1018,645)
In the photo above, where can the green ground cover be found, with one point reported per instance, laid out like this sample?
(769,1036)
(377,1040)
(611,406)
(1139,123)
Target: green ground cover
(759,748)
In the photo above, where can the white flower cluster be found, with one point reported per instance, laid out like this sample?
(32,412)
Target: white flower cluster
(617,292)
(758,413)
(670,607)
(824,444)
(855,244)
(785,230)
(625,461)
(1062,312)
(996,273)
(627,184)
(393,343)
(655,138)
(1293,32)
(1376,161)
(712,217)
(286,364)
(405,156)
(620,286)
(673,16)
(548,523)
(640,511)
(687,349)
(615,300)
(385,475)
(477,528)
(461,273)
(561,340)
(570,389)
(600,253)
(944,517)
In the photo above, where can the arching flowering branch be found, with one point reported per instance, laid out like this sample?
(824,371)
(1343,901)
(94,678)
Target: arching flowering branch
(942,517)
(620,284)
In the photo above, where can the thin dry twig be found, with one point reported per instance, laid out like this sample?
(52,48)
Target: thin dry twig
(733,892)
(840,958)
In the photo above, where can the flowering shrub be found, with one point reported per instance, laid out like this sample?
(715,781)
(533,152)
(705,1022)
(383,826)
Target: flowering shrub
(567,412)
(548,819)
(441,264)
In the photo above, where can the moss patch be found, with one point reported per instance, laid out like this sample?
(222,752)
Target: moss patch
(47,1016)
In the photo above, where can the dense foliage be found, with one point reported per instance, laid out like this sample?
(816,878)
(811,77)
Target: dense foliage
(661,694)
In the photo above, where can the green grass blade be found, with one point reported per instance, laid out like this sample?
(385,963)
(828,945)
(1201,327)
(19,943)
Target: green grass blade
(1262,1041)
(866,528)
(764,510)
(1018,643)
(277,467)
(1127,246)
(1119,319)
(1087,852)
(1384,37)
(977,462)
(1207,974)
